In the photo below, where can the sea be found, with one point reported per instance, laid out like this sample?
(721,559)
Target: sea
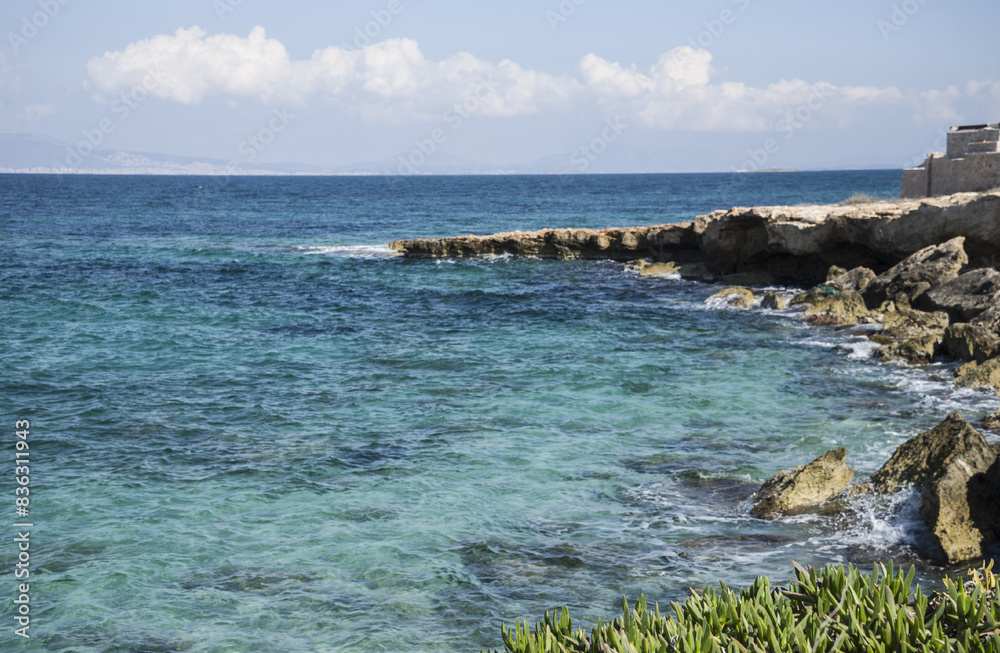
(255,428)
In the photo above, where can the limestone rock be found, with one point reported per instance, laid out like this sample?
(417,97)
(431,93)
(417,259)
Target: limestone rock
(847,307)
(732,298)
(910,335)
(774,301)
(918,460)
(967,296)
(956,508)
(857,279)
(971,342)
(979,375)
(821,480)
(795,244)
(954,468)
(989,319)
(919,273)
(992,423)
(834,272)
(647,269)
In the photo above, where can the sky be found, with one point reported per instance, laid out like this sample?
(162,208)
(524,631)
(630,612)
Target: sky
(698,86)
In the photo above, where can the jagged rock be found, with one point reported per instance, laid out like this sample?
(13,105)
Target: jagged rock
(971,342)
(919,459)
(821,480)
(979,375)
(919,273)
(857,279)
(847,307)
(959,509)
(834,272)
(910,335)
(967,296)
(989,319)
(647,269)
(795,244)
(773,301)
(954,469)
(732,298)
(992,423)
(621,244)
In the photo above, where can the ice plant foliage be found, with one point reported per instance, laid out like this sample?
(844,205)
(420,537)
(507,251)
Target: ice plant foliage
(824,610)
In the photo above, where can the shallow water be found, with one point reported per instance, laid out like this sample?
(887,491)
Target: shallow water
(254,429)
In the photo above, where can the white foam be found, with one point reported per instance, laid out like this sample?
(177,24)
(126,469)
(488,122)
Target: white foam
(860,349)
(350,251)
(886,522)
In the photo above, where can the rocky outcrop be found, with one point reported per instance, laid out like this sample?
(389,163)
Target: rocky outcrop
(992,423)
(911,278)
(971,342)
(954,469)
(740,298)
(792,244)
(979,375)
(838,309)
(967,296)
(648,269)
(909,335)
(663,242)
(821,480)
(773,301)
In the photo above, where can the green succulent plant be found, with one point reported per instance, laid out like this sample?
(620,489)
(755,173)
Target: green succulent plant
(822,611)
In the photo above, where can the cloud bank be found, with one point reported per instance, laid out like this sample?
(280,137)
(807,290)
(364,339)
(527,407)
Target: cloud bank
(393,82)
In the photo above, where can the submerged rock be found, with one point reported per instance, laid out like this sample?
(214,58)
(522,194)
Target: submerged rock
(821,480)
(737,297)
(928,268)
(774,301)
(979,375)
(647,269)
(950,465)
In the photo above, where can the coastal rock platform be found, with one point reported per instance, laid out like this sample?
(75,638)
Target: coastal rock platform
(791,244)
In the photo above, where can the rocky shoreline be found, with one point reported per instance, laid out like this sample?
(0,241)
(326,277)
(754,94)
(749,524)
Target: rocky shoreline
(921,275)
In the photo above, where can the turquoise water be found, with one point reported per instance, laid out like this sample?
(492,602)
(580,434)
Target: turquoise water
(253,429)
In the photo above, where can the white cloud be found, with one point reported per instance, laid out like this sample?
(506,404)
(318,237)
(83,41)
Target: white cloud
(38,111)
(393,81)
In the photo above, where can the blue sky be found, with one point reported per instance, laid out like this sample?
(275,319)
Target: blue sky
(718,85)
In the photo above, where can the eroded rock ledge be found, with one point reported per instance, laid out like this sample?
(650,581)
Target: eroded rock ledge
(785,244)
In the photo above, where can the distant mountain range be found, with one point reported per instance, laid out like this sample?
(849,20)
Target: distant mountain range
(32,153)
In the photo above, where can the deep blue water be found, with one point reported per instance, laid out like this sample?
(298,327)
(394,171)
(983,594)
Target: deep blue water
(253,429)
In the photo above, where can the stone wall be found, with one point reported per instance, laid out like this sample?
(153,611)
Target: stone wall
(971,165)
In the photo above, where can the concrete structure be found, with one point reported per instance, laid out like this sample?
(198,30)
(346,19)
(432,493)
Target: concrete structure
(972,164)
